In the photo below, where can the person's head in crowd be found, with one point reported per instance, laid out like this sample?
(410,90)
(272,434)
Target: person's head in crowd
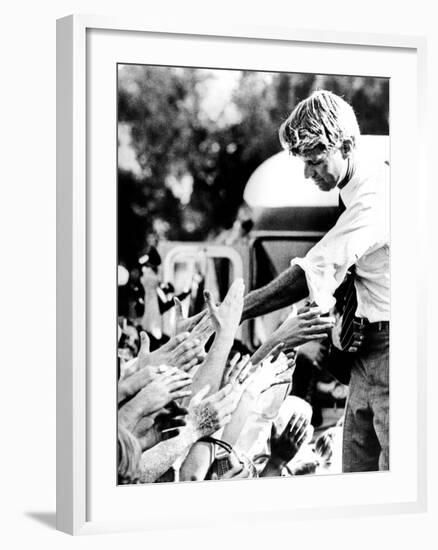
(324,132)
(129,455)
(129,341)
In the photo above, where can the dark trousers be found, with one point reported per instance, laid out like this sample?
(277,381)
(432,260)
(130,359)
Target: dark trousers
(366,424)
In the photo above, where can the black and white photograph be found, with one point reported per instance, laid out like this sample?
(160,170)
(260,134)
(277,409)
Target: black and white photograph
(253,283)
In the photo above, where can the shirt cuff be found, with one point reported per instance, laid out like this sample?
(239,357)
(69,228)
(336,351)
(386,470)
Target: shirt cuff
(321,288)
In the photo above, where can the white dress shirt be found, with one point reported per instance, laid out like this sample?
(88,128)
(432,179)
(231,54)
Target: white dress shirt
(361,237)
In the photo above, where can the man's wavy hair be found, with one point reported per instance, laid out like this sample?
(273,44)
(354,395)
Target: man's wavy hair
(322,121)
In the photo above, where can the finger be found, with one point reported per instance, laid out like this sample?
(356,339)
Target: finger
(144,343)
(297,428)
(284,378)
(169,434)
(226,420)
(173,409)
(228,406)
(309,337)
(221,394)
(179,379)
(270,355)
(234,360)
(292,421)
(185,345)
(239,368)
(178,309)
(177,422)
(201,355)
(304,309)
(309,313)
(187,356)
(283,368)
(317,321)
(209,299)
(245,373)
(235,291)
(179,385)
(205,331)
(180,394)
(291,354)
(275,352)
(202,393)
(211,306)
(191,364)
(317,328)
(165,376)
(175,341)
(274,433)
(230,369)
(303,435)
(280,383)
(202,324)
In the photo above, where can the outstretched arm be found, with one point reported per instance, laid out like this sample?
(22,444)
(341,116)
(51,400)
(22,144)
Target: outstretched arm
(286,289)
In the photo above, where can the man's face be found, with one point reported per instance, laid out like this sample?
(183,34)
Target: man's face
(326,169)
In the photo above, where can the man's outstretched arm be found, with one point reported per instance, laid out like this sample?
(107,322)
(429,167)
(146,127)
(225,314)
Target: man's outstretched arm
(286,289)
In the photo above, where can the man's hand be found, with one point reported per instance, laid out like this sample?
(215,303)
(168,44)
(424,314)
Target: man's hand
(306,325)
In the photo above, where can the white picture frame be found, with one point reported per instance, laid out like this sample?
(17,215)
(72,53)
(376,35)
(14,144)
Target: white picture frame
(75,215)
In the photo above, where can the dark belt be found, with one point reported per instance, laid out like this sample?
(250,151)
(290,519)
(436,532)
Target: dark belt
(378,326)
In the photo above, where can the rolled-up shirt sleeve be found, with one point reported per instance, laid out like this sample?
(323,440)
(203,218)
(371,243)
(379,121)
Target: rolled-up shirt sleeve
(360,229)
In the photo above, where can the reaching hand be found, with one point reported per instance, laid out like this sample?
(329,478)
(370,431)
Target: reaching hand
(185,324)
(157,394)
(286,445)
(181,351)
(238,371)
(165,425)
(226,317)
(272,372)
(207,415)
(306,325)
(131,384)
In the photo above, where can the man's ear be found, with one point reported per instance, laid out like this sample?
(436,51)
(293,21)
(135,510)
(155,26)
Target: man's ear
(347,147)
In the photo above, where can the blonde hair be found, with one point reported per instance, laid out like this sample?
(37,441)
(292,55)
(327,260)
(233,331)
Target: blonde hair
(129,456)
(323,120)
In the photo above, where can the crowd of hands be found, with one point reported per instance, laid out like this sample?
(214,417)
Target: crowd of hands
(176,402)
